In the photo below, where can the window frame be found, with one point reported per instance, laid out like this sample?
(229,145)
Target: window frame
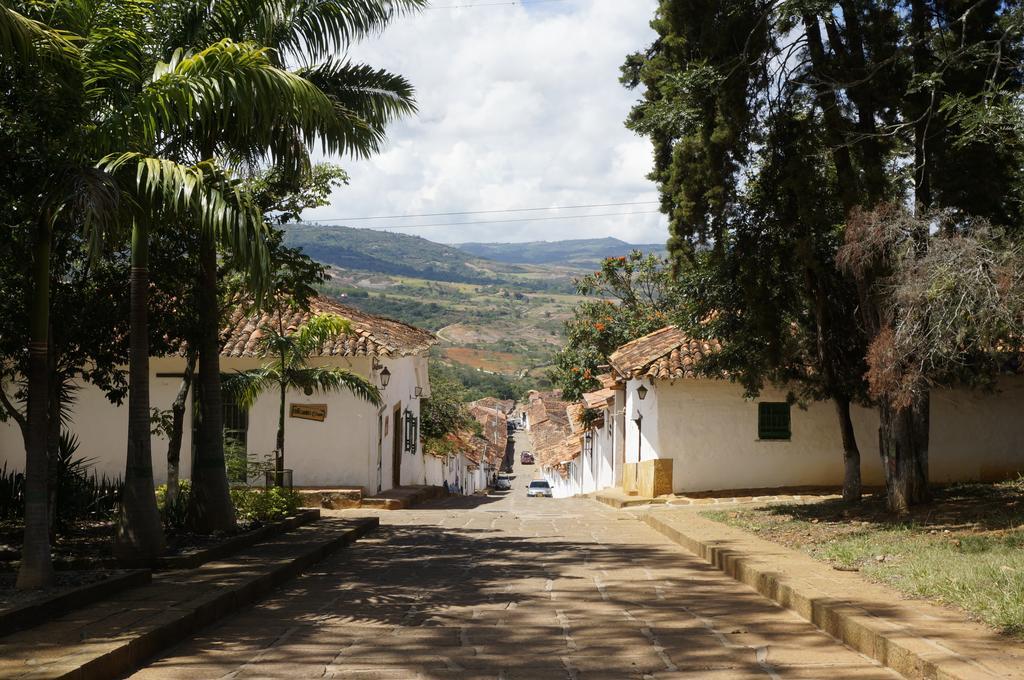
(774,432)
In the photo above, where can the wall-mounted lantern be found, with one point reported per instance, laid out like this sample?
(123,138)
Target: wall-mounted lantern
(418,392)
(385,377)
(641,392)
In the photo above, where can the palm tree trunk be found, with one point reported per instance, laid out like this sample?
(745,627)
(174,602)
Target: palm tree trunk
(53,471)
(177,428)
(138,535)
(36,568)
(210,506)
(279,463)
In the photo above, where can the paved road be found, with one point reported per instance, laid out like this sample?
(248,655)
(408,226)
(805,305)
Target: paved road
(509,588)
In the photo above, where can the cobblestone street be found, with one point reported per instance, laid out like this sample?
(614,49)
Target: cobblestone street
(513,588)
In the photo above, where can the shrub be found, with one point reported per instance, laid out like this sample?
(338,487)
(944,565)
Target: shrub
(12,494)
(176,515)
(271,505)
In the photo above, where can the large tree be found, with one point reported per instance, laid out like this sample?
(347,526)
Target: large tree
(890,94)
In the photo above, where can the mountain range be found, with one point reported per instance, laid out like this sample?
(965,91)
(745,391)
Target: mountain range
(399,254)
(576,252)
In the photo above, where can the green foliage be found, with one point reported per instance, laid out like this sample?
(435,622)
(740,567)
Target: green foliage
(634,296)
(480,384)
(445,411)
(265,505)
(175,515)
(384,252)
(81,494)
(12,493)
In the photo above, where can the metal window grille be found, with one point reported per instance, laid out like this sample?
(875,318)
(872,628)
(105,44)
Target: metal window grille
(412,428)
(773,420)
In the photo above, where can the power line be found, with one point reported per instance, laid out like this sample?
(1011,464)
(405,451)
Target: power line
(486,212)
(528,219)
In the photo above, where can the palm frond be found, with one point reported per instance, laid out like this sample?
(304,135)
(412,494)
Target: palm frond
(245,387)
(325,380)
(366,101)
(231,92)
(309,30)
(311,336)
(29,40)
(203,192)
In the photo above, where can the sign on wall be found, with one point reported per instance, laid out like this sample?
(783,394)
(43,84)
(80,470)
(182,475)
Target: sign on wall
(317,412)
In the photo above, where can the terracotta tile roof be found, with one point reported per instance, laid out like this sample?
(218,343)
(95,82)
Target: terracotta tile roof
(609,381)
(506,406)
(495,432)
(372,336)
(665,354)
(551,429)
(599,398)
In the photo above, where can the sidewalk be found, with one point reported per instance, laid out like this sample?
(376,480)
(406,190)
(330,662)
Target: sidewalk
(918,639)
(402,497)
(615,498)
(113,636)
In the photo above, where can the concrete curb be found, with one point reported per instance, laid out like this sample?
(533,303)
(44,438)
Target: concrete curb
(889,643)
(35,613)
(620,503)
(130,652)
(233,545)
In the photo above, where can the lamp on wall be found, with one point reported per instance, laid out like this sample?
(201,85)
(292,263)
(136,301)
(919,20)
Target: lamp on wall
(385,377)
(641,392)
(418,392)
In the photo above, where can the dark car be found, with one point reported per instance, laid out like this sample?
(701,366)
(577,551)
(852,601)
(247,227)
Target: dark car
(526,458)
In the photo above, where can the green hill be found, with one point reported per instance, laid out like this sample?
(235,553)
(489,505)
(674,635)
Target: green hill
(383,252)
(579,252)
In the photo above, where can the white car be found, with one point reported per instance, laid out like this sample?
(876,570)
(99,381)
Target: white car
(539,487)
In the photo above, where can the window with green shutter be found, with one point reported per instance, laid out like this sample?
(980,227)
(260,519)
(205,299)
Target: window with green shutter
(773,420)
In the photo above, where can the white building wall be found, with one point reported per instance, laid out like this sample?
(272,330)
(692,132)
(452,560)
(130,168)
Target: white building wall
(341,451)
(710,432)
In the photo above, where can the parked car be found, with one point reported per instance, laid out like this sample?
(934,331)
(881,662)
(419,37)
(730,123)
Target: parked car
(539,487)
(526,458)
(503,484)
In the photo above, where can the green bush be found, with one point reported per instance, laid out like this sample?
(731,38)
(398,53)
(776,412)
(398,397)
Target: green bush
(271,505)
(176,515)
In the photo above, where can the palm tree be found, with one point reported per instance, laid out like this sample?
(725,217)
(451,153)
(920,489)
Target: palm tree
(290,369)
(364,100)
(123,104)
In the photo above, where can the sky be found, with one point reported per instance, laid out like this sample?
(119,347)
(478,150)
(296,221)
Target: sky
(519,107)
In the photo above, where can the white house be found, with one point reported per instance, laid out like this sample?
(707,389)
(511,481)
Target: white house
(718,440)
(331,441)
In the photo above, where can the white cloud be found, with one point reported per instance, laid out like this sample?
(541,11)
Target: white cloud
(519,107)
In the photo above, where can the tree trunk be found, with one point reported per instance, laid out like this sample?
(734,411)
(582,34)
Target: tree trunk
(210,506)
(138,534)
(903,443)
(177,428)
(279,462)
(36,568)
(53,425)
(851,453)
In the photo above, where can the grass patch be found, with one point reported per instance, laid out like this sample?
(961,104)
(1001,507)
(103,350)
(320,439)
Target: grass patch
(966,549)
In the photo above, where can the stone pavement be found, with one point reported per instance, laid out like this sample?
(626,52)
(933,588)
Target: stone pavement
(115,635)
(507,587)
